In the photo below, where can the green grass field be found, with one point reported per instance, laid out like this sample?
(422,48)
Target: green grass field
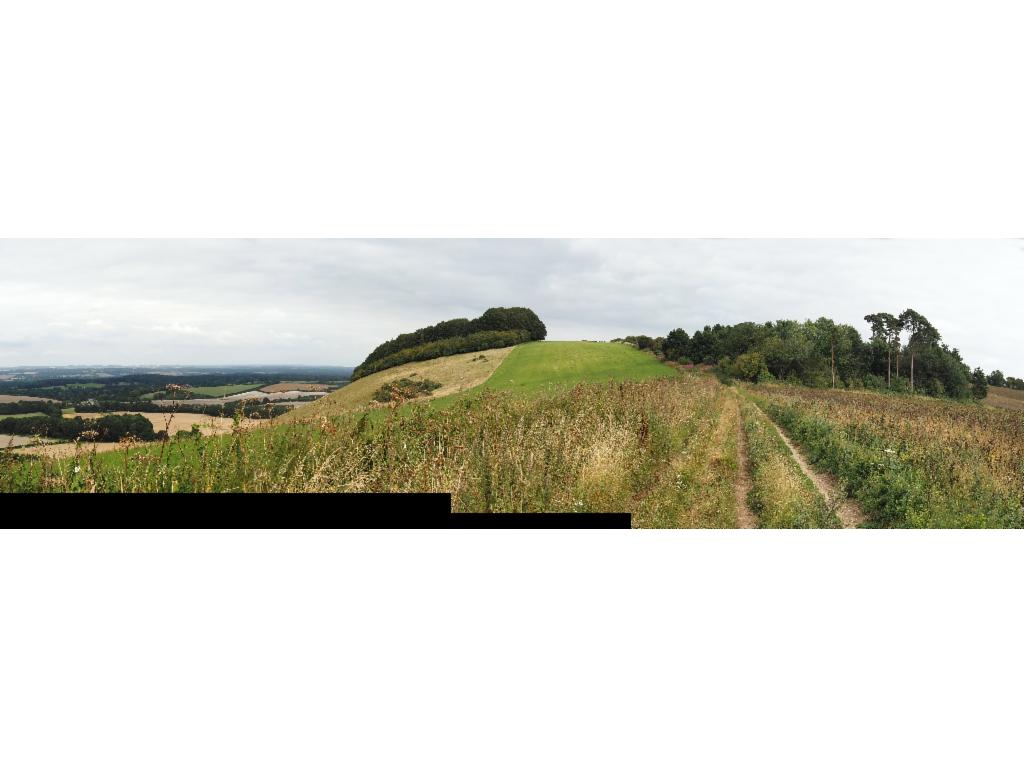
(21,415)
(541,364)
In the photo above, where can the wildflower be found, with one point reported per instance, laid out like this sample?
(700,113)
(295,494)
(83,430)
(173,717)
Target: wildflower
(77,469)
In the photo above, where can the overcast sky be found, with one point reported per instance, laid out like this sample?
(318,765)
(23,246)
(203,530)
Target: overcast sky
(330,302)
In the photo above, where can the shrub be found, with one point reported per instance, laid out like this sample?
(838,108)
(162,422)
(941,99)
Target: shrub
(405,389)
(750,367)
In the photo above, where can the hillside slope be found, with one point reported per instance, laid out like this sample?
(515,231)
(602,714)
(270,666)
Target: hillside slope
(1002,397)
(529,368)
(455,374)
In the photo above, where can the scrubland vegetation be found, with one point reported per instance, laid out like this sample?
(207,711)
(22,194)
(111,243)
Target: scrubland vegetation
(911,462)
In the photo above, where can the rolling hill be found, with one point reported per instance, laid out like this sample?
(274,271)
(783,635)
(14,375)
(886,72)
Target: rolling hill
(455,374)
(526,368)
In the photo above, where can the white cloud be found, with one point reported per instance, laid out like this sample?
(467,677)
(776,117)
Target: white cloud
(331,301)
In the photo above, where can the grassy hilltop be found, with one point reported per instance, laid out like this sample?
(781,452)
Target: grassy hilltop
(540,365)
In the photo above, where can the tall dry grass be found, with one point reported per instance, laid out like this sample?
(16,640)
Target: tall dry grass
(637,447)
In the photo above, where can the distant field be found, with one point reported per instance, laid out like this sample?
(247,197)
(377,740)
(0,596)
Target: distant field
(20,415)
(17,441)
(248,394)
(1001,397)
(25,399)
(66,450)
(295,386)
(540,364)
(229,389)
(173,423)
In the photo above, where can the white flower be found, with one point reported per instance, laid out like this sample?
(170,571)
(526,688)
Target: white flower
(77,469)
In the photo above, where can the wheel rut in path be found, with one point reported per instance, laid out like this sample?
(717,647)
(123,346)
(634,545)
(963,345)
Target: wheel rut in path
(745,518)
(849,511)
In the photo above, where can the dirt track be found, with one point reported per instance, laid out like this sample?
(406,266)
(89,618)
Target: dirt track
(745,518)
(849,511)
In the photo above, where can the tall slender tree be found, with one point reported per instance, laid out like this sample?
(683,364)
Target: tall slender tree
(883,328)
(922,335)
(896,329)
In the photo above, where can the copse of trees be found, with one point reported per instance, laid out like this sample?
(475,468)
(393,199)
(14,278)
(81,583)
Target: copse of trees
(475,342)
(999,379)
(824,353)
(106,429)
(30,406)
(498,326)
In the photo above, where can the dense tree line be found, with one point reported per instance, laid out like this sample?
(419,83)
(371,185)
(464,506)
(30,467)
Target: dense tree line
(496,319)
(249,409)
(30,406)
(106,429)
(455,345)
(904,353)
(998,379)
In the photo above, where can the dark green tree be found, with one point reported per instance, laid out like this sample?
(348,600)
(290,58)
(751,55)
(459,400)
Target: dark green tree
(979,384)
(885,328)
(677,345)
(996,379)
(922,335)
